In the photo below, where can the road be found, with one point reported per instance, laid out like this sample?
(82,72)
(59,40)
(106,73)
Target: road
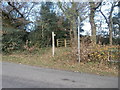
(24,76)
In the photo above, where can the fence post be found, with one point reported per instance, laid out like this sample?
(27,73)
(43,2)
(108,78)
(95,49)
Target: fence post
(108,56)
(65,42)
(57,43)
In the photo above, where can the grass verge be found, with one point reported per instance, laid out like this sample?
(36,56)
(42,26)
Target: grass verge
(63,60)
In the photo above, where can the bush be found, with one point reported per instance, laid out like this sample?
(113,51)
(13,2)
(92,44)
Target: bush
(96,53)
(99,53)
(13,41)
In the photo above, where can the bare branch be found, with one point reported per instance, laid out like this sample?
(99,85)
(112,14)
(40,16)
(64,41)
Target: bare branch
(30,10)
(99,4)
(104,16)
(16,9)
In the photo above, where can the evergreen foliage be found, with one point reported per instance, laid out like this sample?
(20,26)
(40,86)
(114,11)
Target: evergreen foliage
(48,23)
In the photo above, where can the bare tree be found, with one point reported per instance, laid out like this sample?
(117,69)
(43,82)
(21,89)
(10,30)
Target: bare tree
(93,7)
(109,20)
(19,12)
(72,10)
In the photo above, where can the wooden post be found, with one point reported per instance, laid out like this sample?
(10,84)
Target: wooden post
(53,44)
(65,42)
(108,56)
(57,43)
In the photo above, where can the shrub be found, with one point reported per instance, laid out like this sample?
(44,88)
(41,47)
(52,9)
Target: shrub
(103,53)
(99,53)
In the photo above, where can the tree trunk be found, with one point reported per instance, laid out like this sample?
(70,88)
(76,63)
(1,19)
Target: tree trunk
(110,31)
(92,22)
(71,36)
(119,14)
(42,32)
(75,32)
(74,25)
(110,35)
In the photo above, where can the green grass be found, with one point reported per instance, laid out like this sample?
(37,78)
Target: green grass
(62,60)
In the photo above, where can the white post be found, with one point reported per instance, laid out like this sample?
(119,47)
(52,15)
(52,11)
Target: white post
(53,44)
(78,39)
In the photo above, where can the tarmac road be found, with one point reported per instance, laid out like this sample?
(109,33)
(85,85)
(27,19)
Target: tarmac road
(24,76)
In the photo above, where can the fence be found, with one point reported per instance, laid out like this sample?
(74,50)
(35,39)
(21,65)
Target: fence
(112,53)
(63,42)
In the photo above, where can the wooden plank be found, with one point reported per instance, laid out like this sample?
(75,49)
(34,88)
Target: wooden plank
(63,42)
(57,43)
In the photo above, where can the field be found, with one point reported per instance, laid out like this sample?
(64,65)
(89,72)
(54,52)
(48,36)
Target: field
(63,60)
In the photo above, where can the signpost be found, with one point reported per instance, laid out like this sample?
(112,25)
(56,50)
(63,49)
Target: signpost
(78,39)
(53,44)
